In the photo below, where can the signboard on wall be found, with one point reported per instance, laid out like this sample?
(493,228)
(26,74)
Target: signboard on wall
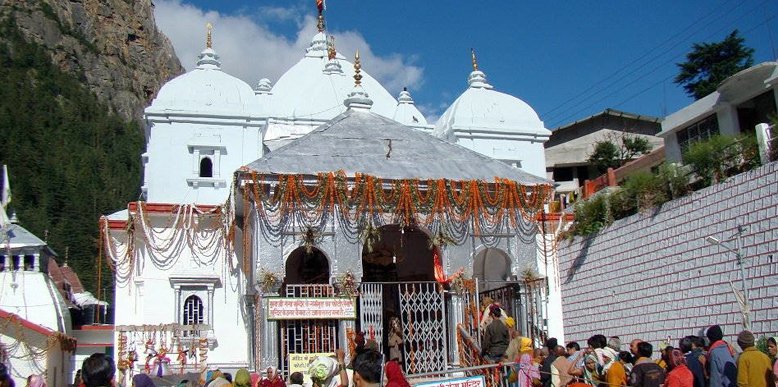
(298,362)
(284,308)
(471,381)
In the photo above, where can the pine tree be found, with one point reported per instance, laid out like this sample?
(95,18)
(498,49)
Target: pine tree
(70,160)
(708,64)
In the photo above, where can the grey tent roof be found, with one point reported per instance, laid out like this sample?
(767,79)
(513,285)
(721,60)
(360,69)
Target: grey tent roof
(364,142)
(21,241)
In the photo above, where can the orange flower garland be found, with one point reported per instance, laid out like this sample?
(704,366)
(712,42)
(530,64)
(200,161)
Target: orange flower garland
(409,200)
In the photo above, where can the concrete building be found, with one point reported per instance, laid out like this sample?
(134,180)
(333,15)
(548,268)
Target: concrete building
(568,149)
(739,103)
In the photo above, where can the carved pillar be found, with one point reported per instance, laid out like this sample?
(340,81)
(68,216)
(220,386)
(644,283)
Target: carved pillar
(269,338)
(456,316)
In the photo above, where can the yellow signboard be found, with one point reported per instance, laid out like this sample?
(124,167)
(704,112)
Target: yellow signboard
(298,362)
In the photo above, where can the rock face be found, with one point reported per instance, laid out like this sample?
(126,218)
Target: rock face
(114,46)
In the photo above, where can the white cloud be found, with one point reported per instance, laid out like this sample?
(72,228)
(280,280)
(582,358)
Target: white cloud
(250,50)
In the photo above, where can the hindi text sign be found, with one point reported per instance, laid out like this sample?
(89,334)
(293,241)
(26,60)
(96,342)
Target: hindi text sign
(471,381)
(284,308)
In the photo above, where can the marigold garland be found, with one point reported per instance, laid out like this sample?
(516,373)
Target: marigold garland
(479,203)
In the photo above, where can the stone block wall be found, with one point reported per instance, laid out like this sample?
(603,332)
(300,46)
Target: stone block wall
(653,275)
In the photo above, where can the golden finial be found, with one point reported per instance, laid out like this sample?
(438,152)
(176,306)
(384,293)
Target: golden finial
(320,23)
(208,38)
(475,62)
(331,48)
(357,69)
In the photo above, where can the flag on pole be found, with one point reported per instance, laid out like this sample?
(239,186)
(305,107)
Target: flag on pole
(6,195)
(320,5)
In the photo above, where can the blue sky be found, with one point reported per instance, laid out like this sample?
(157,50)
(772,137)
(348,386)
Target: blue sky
(567,59)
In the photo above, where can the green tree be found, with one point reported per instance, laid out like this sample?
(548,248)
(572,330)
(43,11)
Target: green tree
(710,63)
(617,149)
(70,160)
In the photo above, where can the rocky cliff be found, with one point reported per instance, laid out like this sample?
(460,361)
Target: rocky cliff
(113,46)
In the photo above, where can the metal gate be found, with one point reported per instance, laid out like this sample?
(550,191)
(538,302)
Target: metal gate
(423,319)
(422,314)
(371,319)
(307,336)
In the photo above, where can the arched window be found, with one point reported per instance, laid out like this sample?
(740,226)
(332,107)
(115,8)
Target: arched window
(193,311)
(206,167)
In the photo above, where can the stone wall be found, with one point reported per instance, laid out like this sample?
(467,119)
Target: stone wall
(653,275)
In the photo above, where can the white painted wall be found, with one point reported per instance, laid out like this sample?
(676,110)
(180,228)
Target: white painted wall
(149,297)
(175,146)
(526,153)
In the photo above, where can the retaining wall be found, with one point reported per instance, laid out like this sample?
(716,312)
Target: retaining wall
(653,275)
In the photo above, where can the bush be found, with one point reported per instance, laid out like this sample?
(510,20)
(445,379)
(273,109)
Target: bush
(645,189)
(673,179)
(722,156)
(592,215)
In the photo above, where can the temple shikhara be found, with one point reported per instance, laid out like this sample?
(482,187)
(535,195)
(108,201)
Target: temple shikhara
(279,221)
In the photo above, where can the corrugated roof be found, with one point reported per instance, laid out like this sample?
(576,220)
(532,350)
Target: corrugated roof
(364,142)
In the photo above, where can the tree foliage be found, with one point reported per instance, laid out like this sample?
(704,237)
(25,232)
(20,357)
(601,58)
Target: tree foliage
(70,161)
(709,161)
(708,64)
(617,149)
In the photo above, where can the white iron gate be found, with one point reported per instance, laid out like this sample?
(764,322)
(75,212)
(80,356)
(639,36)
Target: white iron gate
(371,308)
(423,318)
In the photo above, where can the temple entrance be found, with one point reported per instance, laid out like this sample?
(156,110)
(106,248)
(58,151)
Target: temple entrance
(401,306)
(400,255)
(492,268)
(307,276)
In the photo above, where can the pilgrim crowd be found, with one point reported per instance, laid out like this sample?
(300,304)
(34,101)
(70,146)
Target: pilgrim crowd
(696,361)
(367,369)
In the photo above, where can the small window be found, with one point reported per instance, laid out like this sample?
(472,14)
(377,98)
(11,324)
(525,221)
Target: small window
(2,262)
(206,167)
(193,311)
(29,262)
(16,262)
(700,131)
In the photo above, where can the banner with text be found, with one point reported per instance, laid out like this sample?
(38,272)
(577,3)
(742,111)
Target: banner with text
(298,362)
(472,381)
(282,308)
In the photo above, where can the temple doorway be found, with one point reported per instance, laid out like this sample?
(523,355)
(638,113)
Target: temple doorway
(401,305)
(492,268)
(307,276)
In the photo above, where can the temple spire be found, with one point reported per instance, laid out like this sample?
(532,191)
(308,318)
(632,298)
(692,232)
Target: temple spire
(475,61)
(320,6)
(208,35)
(331,52)
(357,70)
(358,99)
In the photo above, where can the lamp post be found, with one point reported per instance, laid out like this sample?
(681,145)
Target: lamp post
(746,303)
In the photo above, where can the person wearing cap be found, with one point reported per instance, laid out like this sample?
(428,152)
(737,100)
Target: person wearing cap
(753,366)
(721,363)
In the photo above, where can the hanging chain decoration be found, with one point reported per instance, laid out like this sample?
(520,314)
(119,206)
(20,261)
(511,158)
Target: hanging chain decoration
(208,234)
(453,209)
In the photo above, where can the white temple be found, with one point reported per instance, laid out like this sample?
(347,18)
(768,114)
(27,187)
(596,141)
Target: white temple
(199,260)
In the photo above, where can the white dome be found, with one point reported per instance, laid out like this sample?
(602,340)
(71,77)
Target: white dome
(406,112)
(315,87)
(483,109)
(205,90)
